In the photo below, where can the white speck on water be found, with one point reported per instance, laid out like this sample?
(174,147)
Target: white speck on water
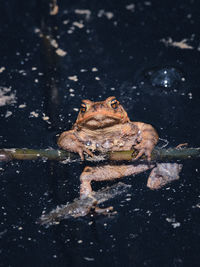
(136,209)
(88,259)
(196,206)
(45,118)
(94,69)
(175,225)
(54,43)
(65,22)
(147,3)
(2,69)
(79,25)
(8,114)
(34,114)
(131,7)
(85,12)
(173,222)
(189,16)
(102,12)
(22,106)
(73,78)
(60,52)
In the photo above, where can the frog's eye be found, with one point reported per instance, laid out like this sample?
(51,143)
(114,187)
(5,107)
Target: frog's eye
(83,108)
(114,103)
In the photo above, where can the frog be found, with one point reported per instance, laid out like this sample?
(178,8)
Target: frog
(104,126)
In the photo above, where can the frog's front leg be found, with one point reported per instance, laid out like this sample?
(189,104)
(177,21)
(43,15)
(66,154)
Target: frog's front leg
(69,141)
(105,173)
(148,139)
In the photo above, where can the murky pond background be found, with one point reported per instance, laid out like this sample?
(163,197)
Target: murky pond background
(147,54)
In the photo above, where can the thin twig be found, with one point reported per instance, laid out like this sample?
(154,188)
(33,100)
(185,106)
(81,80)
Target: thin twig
(158,154)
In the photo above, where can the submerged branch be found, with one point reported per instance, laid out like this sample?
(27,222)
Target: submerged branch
(158,154)
(81,207)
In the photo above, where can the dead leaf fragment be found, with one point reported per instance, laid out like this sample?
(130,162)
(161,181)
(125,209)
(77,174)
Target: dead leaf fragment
(182,44)
(60,52)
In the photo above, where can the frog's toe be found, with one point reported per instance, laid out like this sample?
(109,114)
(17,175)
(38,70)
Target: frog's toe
(144,151)
(140,153)
(80,152)
(86,150)
(148,154)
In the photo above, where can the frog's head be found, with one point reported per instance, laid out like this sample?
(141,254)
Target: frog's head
(102,114)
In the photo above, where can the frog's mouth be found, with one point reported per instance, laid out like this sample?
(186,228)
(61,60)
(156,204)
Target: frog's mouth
(100,122)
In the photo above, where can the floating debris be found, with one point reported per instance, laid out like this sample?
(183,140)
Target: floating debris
(130,7)
(85,12)
(6,97)
(2,69)
(181,44)
(108,15)
(60,52)
(73,78)
(34,114)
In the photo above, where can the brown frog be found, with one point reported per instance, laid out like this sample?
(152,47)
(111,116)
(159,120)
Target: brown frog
(105,126)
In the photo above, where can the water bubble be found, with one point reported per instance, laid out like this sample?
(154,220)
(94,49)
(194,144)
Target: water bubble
(165,77)
(88,143)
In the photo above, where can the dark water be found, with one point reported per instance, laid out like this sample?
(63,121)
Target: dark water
(109,49)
